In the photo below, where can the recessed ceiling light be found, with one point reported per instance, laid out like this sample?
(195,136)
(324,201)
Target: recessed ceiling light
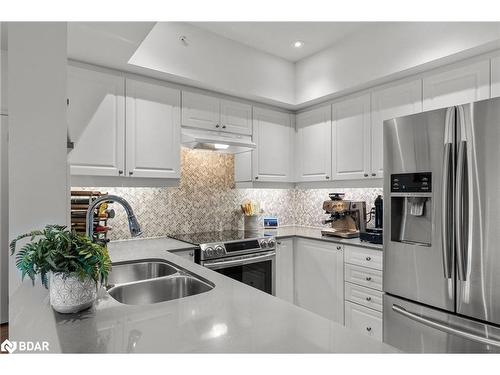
(298,44)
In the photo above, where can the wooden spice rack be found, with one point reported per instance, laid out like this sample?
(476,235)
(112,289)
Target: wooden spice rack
(80,201)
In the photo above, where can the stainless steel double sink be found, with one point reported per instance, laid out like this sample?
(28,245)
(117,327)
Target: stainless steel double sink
(150,281)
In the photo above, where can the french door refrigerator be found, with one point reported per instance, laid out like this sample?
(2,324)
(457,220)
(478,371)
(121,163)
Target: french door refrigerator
(442,229)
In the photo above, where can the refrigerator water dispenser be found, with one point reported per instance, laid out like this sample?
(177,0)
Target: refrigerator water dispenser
(411,208)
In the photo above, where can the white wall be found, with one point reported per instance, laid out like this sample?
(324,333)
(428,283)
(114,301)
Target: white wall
(384,49)
(211,61)
(37,136)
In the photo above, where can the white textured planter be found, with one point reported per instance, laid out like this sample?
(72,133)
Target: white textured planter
(69,294)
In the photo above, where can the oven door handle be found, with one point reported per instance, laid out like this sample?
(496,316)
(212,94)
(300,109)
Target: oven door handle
(240,262)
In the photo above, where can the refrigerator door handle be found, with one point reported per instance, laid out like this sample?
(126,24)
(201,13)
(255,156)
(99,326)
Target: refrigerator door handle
(444,328)
(447,202)
(461,204)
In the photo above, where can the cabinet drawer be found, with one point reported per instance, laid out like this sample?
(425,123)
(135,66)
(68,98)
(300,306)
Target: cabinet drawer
(363,320)
(363,276)
(363,257)
(364,296)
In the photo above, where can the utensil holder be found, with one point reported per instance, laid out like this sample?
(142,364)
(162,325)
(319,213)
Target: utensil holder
(251,223)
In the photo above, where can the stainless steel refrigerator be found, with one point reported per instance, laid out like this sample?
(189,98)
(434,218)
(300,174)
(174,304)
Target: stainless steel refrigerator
(442,229)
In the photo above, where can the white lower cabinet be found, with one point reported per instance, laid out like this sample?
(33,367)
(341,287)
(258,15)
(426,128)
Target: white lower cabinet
(284,269)
(319,278)
(363,290)
(364,320)
(186,254)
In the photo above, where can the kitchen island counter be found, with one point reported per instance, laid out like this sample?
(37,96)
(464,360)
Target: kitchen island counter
(232,317)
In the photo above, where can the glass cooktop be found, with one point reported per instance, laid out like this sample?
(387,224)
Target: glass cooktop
(217,236)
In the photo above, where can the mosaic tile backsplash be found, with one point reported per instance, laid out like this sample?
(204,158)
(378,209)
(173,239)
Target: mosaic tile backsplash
(206,200)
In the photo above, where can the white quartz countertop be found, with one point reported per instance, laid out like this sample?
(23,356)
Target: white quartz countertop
(232,317)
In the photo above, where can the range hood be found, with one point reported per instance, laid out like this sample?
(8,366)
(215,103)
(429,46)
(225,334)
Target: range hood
(216,141)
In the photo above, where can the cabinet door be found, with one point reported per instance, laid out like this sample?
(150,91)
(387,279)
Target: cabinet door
(284,270)
(314,144)
(495,77)
(186,254)
(273,134)
(319,278)
(236,117)
(457,84)
(364,320)
(351,138)
(153,130)
(387,103)
(96,122)
(200,111)
(243,167)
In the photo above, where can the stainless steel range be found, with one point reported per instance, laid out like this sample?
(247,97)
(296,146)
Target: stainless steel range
(248,257)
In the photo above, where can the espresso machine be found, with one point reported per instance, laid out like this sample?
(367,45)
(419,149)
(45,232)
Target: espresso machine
(347,218)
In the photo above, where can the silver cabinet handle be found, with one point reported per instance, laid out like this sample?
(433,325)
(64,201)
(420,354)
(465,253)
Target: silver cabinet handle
(242,261)
(443,327)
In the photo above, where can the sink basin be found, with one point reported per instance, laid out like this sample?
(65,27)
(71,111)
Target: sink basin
(126,272)
(159,290)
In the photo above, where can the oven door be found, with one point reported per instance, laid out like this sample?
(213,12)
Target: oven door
(257,270)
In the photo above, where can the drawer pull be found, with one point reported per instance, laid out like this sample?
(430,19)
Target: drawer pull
(368,299)
(339,247)
(368,258)
(369,329)
(368,278)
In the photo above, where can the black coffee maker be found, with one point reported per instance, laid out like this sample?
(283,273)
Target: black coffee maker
(374,235)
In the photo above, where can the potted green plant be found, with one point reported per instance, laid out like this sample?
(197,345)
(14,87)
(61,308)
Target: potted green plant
(70,266)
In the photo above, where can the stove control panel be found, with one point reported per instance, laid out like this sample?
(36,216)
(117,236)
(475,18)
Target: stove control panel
(221,250)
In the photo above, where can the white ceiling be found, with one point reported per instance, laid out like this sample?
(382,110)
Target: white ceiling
(276,38)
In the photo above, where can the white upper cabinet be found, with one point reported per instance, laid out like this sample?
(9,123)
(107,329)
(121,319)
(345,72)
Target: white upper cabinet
(458,84)
(314,147)
(495,77)
(351,138)
(273,134)
(200,111)
(96,122)
(389,102)
(236,117)
(211,113)
(153,130)
(319,278)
